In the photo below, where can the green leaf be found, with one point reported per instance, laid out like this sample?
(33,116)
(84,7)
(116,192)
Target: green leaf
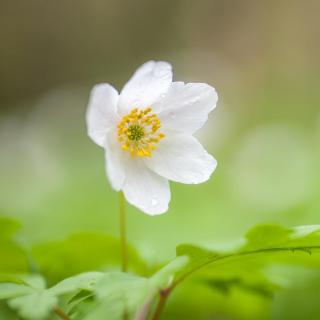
(33,301)
(272,236)
(81,253)
(30,299)
(13,259)
(226,286)
(11,290)
(164,276)
(266,236)
(12,278)
(118,292)
(84,281)
(244,267)
(8,227)
(35,306)
(115,293)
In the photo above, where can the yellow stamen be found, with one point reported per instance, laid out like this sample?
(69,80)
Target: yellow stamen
(138,132)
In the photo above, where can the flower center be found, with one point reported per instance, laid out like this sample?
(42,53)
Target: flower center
(138,132)
(135,132)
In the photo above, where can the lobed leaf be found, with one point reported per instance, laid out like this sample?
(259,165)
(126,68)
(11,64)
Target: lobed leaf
(118,293)
(33,301)
(244,267)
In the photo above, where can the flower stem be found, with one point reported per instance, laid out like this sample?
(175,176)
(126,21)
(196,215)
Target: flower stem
(164,294)
(60,313)
(123,238)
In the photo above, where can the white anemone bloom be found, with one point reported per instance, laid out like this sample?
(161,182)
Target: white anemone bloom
(146,132)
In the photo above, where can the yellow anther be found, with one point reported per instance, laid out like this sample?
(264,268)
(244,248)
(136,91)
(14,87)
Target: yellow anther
(146,153)
(138,132)
(125,147)
(140,153)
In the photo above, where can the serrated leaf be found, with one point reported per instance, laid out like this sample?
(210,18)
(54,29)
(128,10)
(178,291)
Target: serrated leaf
(266,236)
(29,299)
(120,293)
(244,267)
(33,301)
(14,286)
(81,253)
(84,281)
(35,306)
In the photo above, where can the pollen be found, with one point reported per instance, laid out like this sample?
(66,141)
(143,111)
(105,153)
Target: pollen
(138,132)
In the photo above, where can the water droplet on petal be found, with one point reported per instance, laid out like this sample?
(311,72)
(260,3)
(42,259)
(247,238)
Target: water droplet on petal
(154,202)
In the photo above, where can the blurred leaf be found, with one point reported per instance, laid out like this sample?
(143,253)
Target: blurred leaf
(118,292)
(225,286)
(265,236)
(244,267)
(80,253)
(33,301)
(122,292)
(12,278)
(84,281)
(7,313)
(35,306)
(13,259)
(82,297)
(11,290)
(165,275)
(271,236)
(300,300)
(8,227)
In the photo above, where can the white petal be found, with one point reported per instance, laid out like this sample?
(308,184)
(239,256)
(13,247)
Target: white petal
(115,162)
(101,112)
(185,107)
(182,158)
(146,190)
(146,86)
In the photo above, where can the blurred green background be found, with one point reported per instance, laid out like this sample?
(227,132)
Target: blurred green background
(263,59)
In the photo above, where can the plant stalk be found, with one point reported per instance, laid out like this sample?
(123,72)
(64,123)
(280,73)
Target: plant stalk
(123,237)
(161,303)
(60,313)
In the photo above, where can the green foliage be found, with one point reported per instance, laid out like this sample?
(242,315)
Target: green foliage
(8,227)
(12,257)
(244,267)
(81,253)
(32,300)
(252,268)
(119,293)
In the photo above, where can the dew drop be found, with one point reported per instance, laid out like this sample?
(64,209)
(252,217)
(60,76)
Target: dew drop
(154,202)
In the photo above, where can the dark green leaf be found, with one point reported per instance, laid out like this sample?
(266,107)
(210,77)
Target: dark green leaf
(13,258)
(81,253)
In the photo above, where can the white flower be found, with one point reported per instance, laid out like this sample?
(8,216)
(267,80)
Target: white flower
(146,132)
